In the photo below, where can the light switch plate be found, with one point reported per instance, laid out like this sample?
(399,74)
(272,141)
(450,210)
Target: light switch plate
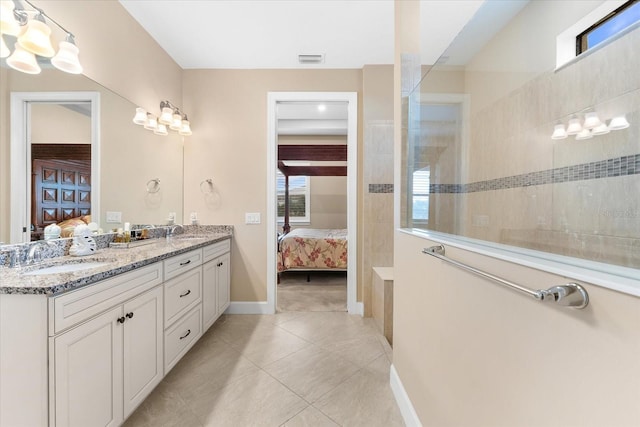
(114,217)
(252,218)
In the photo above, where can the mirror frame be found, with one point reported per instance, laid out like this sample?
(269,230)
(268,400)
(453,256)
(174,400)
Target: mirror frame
(21,153)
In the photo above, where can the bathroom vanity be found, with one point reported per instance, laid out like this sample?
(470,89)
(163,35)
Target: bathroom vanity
(86,347)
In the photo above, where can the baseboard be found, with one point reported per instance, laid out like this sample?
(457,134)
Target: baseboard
(249,307)
(360,308)
(402,399)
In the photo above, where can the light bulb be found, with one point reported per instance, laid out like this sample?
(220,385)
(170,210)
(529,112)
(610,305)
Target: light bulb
(141,116)
(584,134)
(559,132)
(67,57)
(166,117)
(618,123)
(185,130)
(176,122)
(23,60)
(161,130)
(600,130)
(36,39)
(574,127)
(8,23)
(151,123)
(591,120)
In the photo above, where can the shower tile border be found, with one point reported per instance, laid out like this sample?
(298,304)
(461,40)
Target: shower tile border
(609,168)
(380,188)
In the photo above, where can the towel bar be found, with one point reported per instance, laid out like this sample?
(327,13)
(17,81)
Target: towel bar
(569,295)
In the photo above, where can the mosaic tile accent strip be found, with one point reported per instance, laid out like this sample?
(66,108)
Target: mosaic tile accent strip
(380,188)
(619,166)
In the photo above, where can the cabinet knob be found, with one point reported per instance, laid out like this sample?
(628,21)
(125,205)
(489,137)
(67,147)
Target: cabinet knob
(129,315)
(121,319)
(186,293)
(186,335)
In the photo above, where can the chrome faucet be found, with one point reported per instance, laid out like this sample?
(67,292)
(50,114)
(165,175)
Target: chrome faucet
(35,252)
(172,230)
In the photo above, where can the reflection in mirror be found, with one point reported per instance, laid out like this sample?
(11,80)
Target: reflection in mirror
(129,155)
(60,166)
(481,162)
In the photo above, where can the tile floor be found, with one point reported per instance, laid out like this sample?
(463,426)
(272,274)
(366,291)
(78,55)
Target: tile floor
(288,369)
(326,291)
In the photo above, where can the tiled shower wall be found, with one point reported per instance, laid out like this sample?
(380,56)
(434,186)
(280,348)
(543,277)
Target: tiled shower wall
(377,202)
(580,196)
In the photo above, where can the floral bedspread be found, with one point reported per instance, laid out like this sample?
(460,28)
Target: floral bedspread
(314,249)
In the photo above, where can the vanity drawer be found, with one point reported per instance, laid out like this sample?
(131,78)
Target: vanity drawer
(181,263)
(217,249)
(74,307)
(181,294)
(180,337)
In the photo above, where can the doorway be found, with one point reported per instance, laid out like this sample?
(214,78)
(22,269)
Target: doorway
(349,101)
(21,154)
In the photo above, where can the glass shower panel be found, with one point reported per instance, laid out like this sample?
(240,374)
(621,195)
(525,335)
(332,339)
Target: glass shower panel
(481,162)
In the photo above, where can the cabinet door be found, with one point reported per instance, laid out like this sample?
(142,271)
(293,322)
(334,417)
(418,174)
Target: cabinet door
(209,293)
(224,281)
(88,373)
(143,345)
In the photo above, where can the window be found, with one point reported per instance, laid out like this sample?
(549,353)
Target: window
(299,198)
(612,24)
(420,201)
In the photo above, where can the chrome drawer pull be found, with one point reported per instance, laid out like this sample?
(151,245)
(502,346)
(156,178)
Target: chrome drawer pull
(185,262)
(186,293)
(186,335)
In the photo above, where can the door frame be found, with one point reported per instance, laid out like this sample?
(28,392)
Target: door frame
(351,98)
(21,155)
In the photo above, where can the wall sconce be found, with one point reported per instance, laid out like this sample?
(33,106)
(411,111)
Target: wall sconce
(591,127)
(32,37)
(170,116)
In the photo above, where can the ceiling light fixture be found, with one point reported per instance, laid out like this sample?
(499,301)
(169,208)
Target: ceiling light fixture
(33,35)
(618,123)
(559,132)
(170,117)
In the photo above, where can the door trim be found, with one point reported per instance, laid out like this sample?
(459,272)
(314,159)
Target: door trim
(351,98)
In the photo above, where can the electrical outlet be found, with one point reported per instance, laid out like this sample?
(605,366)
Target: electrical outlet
(114,217)
(252,218)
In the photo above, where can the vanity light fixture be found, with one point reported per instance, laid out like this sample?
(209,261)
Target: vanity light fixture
(33,35)
(591,127)
(170,117)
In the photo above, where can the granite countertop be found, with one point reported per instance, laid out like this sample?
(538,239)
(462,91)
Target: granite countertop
(115,261)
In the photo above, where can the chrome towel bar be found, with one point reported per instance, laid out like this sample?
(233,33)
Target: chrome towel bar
(569,295)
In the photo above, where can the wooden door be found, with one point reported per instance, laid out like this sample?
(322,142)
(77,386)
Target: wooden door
(61,189)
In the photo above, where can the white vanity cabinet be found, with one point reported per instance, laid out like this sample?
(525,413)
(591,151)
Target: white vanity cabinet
(90,356)
(216,280)
(102,368)
(182,305)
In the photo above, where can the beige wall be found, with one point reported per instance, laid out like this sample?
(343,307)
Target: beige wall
(229,145)
(472,353)
(55,124)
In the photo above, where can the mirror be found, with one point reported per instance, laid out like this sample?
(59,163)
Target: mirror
(128,159)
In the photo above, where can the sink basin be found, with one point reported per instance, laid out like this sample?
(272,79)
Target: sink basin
(65,268)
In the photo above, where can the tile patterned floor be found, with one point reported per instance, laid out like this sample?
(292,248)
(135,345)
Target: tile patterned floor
(288,369)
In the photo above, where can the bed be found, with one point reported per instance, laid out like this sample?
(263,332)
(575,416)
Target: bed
(313,249)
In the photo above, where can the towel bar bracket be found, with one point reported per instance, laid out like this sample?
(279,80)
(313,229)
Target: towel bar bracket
(568,295)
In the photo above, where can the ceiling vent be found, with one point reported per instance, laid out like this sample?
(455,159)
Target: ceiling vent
(311,58)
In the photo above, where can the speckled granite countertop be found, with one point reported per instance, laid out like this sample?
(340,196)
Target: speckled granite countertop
(116,261)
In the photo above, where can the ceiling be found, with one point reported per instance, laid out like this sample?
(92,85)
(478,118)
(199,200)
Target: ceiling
(200,34)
